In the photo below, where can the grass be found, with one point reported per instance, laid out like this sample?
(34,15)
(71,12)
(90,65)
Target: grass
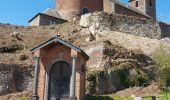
(115,97)
(15,98)
(107,97)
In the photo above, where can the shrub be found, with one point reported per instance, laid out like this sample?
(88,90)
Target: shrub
(162,59)
(93,81)
(23,57)
(128,79)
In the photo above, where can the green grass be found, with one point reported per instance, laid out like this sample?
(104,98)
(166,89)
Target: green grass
(162,96)
(15,98)
(107,97)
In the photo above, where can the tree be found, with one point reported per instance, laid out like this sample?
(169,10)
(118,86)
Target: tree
(162,59)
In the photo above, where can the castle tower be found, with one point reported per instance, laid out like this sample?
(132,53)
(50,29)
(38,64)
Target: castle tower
(147,6)
(69,9)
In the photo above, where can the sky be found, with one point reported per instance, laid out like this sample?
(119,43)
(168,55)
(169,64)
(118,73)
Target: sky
(18,12)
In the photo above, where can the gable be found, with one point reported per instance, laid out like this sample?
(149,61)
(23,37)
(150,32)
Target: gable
(63,42)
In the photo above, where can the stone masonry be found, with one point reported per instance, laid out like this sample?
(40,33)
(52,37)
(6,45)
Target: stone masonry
(15,78)
(99,22)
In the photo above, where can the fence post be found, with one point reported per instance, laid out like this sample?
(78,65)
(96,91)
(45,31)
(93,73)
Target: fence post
(137,98)
(153,97)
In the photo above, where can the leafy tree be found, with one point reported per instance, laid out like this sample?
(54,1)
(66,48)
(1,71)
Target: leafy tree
(162,59)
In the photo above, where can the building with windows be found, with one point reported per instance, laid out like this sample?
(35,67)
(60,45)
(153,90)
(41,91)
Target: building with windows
(48,17)
(66,10)
(137,8)
(146,6)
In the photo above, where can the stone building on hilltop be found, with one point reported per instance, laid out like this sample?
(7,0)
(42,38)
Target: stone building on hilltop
(48,17)
(66,10)
(147,6)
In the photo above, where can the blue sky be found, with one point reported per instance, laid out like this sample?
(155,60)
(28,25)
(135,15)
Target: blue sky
(20,11)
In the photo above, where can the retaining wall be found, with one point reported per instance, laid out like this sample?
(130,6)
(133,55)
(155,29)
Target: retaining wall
(15,78)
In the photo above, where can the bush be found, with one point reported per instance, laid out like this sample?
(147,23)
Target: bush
(162,59)
(128,79)
(23,57)
(93,81)
(127,74)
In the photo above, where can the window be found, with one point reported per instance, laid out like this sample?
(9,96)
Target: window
(150,3)
(50,22)
(137,3)
(53,22)
(85,10)
(83,69)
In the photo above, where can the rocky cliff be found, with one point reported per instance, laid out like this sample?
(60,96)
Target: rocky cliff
(122,44)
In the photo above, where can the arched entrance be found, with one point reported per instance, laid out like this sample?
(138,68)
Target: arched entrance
(59,83)
(85,10)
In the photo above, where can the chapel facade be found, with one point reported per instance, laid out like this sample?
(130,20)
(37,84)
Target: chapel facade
(60,71)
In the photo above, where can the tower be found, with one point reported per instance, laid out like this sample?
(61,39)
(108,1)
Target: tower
(69,9)
(147,6)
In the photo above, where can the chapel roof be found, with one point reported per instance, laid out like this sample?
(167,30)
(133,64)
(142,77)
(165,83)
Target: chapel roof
(64,42)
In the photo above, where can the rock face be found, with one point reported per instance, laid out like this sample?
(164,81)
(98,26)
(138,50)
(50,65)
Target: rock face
(15,78)
(6,80)
(99,22)
(103,37)
(96,22)
(95,51)
(85,20)
(112,68)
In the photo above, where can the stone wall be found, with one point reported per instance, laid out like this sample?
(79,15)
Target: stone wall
(49,20)
(35,22)
(112,68)
(95,52)
(108,6)
(165,29)
(144,5)
(69,9)
(100,22)
(43,19)
(123,10)
(131,25)
(15,78)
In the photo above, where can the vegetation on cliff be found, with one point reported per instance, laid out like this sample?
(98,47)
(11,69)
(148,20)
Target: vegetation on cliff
(127,59)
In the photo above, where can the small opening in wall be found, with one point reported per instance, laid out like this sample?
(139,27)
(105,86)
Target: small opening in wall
(85,10)
(137,3)
(150,3)
(83,69)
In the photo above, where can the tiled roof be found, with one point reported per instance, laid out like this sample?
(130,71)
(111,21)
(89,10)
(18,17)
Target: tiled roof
(49,12)
(52,12)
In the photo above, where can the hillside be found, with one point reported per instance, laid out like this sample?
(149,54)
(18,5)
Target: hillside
(117,47)
(19,40)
